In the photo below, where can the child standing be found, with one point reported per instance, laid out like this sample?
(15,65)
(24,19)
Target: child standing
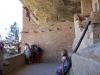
(27,53)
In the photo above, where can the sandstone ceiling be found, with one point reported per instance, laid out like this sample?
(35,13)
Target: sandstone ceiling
(50,11)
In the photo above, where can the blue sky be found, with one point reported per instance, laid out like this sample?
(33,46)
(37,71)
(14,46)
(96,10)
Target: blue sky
(10,12)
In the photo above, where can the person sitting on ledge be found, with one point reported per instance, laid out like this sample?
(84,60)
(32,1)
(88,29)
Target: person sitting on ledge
(63,68)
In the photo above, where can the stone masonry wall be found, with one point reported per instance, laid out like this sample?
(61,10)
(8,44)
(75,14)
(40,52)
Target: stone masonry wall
(51,38)
(86,7)
(96,5)
(79,28)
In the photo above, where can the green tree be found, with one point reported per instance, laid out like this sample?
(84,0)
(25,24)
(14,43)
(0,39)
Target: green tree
(13,35)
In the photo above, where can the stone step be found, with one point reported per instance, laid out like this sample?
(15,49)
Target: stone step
(84,66)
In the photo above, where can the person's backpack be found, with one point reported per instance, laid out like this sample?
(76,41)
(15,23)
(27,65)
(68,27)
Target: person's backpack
(40,50)
(67,68)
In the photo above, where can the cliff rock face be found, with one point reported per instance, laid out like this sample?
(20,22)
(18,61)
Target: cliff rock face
(51,38)
(50,11)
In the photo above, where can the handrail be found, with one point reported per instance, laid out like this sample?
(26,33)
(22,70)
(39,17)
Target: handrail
(78,45)
(84,32)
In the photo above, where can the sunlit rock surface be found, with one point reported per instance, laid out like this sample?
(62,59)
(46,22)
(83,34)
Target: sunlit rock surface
(50,11)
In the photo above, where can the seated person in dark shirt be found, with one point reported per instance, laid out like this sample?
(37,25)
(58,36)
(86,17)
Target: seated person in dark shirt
(64,67)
